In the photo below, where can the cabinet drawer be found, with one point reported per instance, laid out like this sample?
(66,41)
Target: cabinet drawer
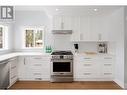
(39,58)
(13,63)
(13,79)
(39,65)
(83,66)
(13,67)
(37,76)
(85,75)
(87,65)
(36,70)
(85,59)
(107,74)
(107,70)
(108,59)
(38,62)
(13,72)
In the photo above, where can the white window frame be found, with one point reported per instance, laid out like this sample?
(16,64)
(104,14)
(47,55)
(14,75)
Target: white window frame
(4,37)
(33,28)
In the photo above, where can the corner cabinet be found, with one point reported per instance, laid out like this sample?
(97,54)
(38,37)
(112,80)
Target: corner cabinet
(93,68)
(34,68)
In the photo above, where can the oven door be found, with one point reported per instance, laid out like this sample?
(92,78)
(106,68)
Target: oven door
(61,67)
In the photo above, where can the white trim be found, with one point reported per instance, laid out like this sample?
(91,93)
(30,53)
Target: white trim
(120,83)
(93,79)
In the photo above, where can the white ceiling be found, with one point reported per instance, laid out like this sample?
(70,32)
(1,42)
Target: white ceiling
(69,10)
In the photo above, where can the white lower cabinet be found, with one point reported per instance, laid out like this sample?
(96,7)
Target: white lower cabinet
(107,67)
(93,68)
(23,72)
(13,71)
(34,68)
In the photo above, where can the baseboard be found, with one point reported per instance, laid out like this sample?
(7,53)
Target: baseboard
(121,84)
(90,79)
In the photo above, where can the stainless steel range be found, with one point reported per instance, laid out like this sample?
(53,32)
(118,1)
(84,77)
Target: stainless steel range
(62,66)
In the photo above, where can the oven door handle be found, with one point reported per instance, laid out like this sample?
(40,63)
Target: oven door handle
(52,60)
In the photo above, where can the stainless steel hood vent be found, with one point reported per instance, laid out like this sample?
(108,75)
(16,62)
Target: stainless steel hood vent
(62,31)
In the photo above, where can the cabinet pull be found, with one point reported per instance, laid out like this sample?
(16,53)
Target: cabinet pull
(87,73)
(24,61)
(38,78)
(99,36)
(107,58)
(37,58)
(87,58)
(13,67)
(87,64)
(107,73)
(37,73)
(107,64)
(37,65)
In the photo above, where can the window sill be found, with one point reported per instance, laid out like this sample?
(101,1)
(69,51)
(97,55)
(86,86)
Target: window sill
(33,48)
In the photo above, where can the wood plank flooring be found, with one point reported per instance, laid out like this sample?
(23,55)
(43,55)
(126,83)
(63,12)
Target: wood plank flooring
(74,85)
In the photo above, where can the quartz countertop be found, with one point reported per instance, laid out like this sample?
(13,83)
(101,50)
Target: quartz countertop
(15,54)
(97,54)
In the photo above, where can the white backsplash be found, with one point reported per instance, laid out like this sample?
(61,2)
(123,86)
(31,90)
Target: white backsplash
(88,47)
(62,42)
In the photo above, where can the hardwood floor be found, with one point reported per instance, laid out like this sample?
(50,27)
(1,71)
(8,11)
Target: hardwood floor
(74,85)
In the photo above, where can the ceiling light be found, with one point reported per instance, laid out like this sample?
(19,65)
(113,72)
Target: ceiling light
(95,10)
(57,9)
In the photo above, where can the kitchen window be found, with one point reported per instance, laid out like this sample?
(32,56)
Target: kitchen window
(34,38)
(3,37)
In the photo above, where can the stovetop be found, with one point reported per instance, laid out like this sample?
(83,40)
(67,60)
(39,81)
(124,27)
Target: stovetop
(61,53)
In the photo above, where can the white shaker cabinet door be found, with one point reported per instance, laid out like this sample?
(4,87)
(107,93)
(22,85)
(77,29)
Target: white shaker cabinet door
(62,22)
(23,68)
(57,22)
(76,29)
(98,29)
(84,29)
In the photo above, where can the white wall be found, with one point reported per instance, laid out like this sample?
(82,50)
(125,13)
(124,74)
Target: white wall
(116,28)
(31,18)
(10,40)
(125,47)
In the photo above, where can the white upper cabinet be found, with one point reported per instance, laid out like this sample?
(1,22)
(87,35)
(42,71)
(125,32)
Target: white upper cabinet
(93,28)
(85,28)
(76,29)
(62,22)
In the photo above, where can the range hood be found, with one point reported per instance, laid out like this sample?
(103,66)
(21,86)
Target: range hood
(62,31)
